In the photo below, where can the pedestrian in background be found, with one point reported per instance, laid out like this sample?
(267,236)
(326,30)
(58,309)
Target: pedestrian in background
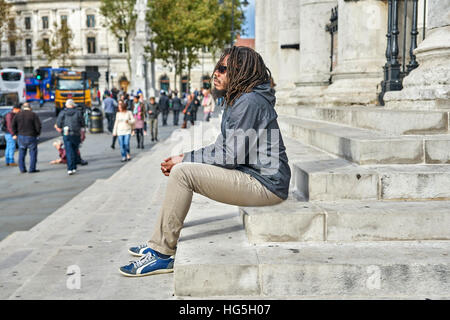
(110,109)
(10,142)
(177,106)
(153,113)
(70,123)
(164,107)
(123,128)
(208,104)
(139,115)
(195,107)
(188,111)
(26,129)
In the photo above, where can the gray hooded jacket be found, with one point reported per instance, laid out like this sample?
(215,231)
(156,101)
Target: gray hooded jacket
(250,141)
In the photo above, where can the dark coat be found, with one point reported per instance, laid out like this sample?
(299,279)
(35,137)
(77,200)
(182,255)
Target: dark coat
(26,123)
(163,103)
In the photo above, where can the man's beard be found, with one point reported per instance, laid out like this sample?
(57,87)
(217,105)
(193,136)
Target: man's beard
(218,93)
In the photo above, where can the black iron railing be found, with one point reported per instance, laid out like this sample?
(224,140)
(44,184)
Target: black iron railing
(332,28)
(394,71)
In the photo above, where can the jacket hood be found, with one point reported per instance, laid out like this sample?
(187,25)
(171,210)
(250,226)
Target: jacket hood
(71,111)
(266,91)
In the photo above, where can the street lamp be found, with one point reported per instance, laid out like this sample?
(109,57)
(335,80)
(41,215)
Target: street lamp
(245,3)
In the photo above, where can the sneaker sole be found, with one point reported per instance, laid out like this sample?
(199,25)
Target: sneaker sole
(136,254)
(162,271)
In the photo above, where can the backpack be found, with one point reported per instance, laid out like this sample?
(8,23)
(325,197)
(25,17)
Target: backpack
(4,128)
(4,125)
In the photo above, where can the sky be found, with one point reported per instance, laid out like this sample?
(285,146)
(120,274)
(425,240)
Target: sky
(249,26)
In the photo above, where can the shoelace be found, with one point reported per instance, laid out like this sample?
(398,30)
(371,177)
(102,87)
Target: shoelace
(145,259)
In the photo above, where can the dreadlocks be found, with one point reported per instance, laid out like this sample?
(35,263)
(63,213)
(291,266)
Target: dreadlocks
(246,70)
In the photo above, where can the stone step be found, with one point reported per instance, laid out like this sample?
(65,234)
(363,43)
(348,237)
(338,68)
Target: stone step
(320,176)
(214,258)
(297,221)
(363,146)
(329,180)
(397,122)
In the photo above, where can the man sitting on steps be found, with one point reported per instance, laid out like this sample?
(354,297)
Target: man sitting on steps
(246,166)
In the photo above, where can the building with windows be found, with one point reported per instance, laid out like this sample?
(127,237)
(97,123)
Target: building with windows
(95,47)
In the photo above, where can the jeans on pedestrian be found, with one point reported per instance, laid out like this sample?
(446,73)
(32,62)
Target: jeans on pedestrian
(153,124)
(25,143)
(71,144)
(165,115)
(206,116)
(139,137)
(176,116)
(10,148)
(124,143)
(111,118)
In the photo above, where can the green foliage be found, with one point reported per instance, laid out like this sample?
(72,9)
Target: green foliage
(120,18)
(182,28)
(59,46)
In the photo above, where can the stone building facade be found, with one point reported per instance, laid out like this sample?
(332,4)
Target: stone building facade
(96,48)
(298,49)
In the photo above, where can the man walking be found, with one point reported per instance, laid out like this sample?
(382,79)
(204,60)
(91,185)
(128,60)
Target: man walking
(177,106)
(70,122)
(10,142)
(153,112)
(110,109)
(246,166)
(26,128)
(164,107)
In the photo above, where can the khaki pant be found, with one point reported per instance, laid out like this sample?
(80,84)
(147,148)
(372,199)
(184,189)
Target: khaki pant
(223,185)
(153,125)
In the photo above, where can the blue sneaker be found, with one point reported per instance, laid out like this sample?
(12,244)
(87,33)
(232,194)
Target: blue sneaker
(147,265)
(141,250)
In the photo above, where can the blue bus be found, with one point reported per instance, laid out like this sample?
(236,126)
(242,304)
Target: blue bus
(47,82)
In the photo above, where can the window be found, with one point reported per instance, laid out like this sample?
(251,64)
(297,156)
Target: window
(91,44)
(46,43)
(12,48)
(90,22)
(28,70)
(28,46)
(122,45)
(27,23)
(64,20)
(44,22)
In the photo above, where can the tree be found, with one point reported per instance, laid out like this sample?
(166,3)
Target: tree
(5,13)
(182,28)
(120,17)
(59,47)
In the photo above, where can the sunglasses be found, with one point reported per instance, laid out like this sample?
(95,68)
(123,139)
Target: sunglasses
(222,69)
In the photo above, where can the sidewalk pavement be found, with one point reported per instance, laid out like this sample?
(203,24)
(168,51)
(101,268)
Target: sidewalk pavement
(75,253)
(27,199)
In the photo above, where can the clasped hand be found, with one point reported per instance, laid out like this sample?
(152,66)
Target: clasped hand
(168,164)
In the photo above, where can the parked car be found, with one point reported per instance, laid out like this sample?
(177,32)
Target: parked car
(7,101)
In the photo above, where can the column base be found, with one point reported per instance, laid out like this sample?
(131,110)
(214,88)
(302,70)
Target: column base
(428,86)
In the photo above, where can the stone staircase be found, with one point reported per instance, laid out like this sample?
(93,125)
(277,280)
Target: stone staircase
(368,215)
(349,230)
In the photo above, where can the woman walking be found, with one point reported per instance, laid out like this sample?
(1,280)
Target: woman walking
(208,104)
(123,127)
(139,116)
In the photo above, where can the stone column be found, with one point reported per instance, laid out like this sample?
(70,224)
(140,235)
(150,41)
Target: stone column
(428,86)
(289,58)
(314,63)
(362,29)
(260,26)
(271,50)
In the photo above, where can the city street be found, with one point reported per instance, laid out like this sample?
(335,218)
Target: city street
(27,199)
